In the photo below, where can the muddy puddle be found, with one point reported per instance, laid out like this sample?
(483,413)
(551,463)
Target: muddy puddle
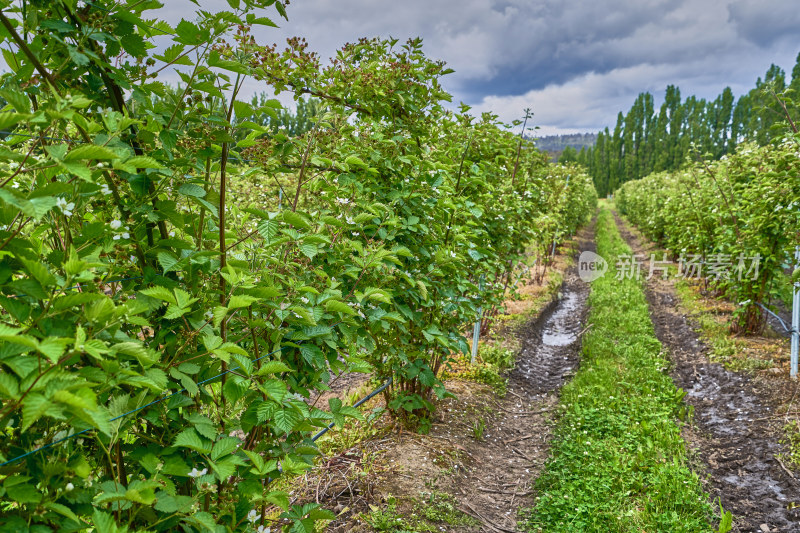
(549,355)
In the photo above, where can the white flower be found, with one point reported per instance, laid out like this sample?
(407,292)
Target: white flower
(263,529)
(304,299)
(105,190)
(66,207)
(115,224)
(69,487)
(252,516)
(195,473)
(126,235)
(342,201)
(171,233)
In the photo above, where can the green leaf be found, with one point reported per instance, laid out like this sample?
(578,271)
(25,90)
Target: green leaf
(161,293)
(354,161)
(90,151)
(262,21)
(104,522)
(220,313)
(203,519)
(39,272)
(187,382)
(9,387)
(9,118)
(145,356)
(174,311)
(279,498)
(286,419)
(33,407)
(143,495)
(242,109)
(77,57)
(272,367)
(309,250)
(224,446)
(190,189)
(241,300)
(24,493)
(296,219)
(167,261)
(423,289)
(268,229)
(189,33)
(134,44)
(274,389)
(142,161)
(188,438)
(52,348)
(340,307)
(169,139)
(78,169)
(166,503)
(203,425)
(63,510)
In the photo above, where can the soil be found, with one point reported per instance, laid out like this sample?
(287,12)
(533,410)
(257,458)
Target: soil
(341,386)
(736,432)
(487,475)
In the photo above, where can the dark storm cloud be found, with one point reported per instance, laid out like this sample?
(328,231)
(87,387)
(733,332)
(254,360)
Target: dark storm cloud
(765,21)
(497,47)
(578,62)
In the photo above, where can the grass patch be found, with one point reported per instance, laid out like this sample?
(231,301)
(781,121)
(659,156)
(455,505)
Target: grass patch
(429,513)
(714,327)
(792,442)
(618,461)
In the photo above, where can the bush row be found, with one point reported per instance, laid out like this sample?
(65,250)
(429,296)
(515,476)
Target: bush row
(161,338)
(735,221)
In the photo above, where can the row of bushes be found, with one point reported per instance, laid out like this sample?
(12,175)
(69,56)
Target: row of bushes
(165,336)
(736,220)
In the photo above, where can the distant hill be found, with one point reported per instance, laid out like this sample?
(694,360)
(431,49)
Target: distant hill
(555,144)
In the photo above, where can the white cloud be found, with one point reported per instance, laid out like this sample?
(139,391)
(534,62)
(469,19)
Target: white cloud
(576,62)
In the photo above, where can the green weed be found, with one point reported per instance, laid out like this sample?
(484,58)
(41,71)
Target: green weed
(497,355)
(478,427)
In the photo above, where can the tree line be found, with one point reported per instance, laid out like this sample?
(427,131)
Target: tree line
(646,140)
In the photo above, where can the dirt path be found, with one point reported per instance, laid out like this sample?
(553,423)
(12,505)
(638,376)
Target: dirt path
(516,442)
(735,434)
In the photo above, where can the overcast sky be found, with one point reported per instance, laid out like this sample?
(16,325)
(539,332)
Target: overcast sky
(576,63)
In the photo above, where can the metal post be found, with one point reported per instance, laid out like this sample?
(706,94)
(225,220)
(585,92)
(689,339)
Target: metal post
(280,198)
(476,332)
(795,316)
